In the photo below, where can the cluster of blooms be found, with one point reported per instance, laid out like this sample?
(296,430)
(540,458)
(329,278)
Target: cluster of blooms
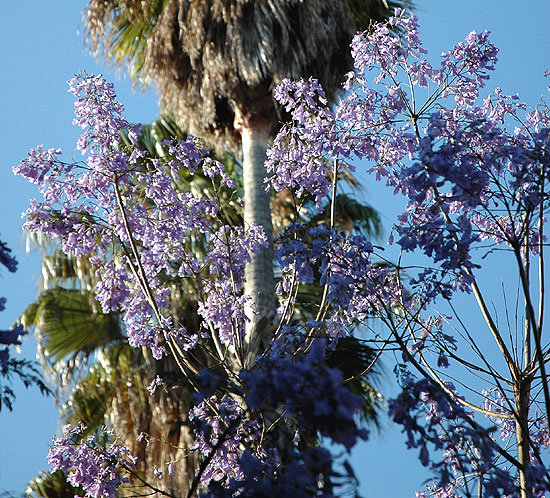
(307,473)
(94,468)
(9,338)
(309,391)
(6,259)
(356,286)
(467,180)
(224,305)
(221,429)
(462,152)
(280,390)
(496,402)
(118,202)
(298,158)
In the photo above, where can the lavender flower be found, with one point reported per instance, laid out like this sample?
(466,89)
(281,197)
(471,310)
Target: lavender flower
(94,469)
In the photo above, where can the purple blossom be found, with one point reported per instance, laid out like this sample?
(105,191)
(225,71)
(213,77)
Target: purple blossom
(221,427)
(97,112)
(96,470)
(156,382)
(495,402)
(12,336)
(310,391)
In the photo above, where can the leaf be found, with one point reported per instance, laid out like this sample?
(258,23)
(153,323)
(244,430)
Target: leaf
(70,323)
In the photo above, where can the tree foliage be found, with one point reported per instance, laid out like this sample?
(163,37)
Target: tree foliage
(10,367)
(473,173)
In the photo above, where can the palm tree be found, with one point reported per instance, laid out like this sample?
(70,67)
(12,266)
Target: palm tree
(216,64)
(71,328)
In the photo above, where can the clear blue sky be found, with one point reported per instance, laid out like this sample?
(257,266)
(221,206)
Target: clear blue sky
(40,48)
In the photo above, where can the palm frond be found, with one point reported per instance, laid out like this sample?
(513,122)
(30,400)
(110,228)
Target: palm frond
(355,360)
(365,12)
(70,323)
(350,215)
(122,28)
(89,400)
(55,485)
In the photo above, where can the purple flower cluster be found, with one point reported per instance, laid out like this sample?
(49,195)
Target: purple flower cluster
(98,113)
(224,306)
(462,151)
(357,287)
(431,417)
(297,159)
(495,402)
(9,338)
(309,391)
(308,473)
(127,215)
(95,469)
(221,430)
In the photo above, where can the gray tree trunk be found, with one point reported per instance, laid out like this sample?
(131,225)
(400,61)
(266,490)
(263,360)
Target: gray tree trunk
(260,282)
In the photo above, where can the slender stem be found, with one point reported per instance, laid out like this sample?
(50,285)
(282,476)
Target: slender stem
(369,367)
(493,328)
(424,368)
(148,484)
(480,486)
(541,268)
(536,332)
(521,395)
(527,324)
(143,281)
(322,306)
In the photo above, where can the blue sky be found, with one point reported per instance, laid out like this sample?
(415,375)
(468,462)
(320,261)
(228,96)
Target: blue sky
(40,48)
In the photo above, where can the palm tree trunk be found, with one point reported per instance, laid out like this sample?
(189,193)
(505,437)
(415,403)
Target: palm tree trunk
(260,282)
(164,418)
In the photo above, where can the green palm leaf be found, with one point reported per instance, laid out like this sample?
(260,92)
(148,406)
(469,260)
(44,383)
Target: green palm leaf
(55,485)
(71,323)
(350,215)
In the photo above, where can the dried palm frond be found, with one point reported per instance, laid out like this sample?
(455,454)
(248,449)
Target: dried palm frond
(211,59)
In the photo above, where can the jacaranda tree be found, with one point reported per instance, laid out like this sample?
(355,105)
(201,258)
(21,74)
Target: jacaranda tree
(216,64)
(474,175)
(99,378)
